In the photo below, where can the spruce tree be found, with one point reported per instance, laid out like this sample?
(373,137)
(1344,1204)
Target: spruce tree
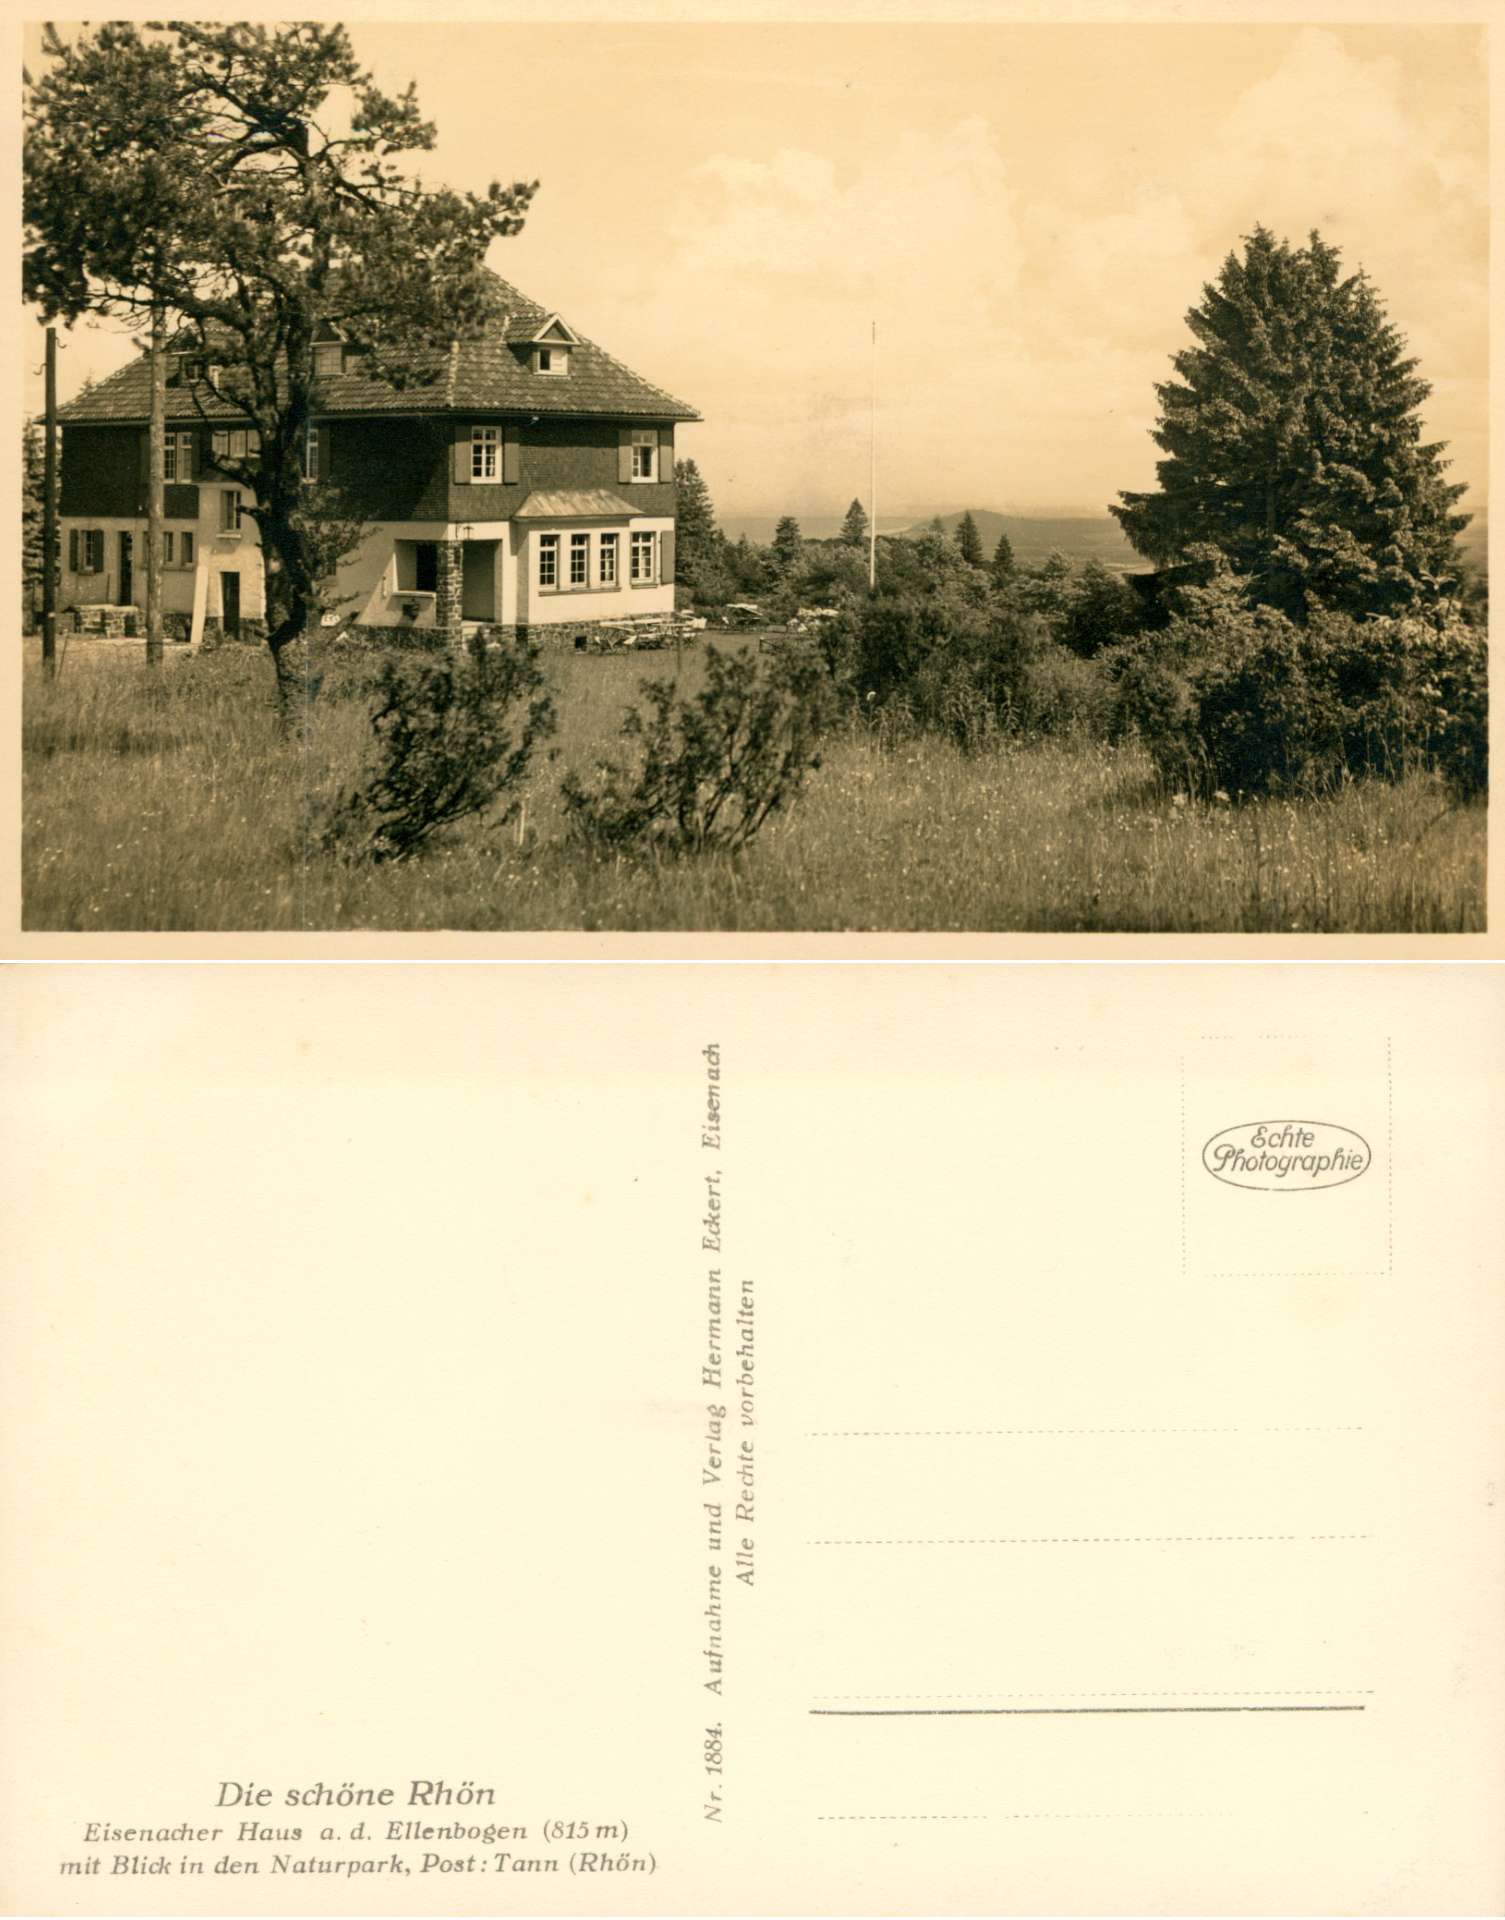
(787,544)
(1003,560)
(969,540)
(854,529)
(698,539)
(1293,445)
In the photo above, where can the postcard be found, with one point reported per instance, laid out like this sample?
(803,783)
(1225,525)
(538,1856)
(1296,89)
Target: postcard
(752,1440)
(521,484)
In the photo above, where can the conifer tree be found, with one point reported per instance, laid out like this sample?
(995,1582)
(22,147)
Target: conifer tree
(1293,445)
(698,539)
(1003,560)
(854,529)
(969,540)
(245,179)
(787,544)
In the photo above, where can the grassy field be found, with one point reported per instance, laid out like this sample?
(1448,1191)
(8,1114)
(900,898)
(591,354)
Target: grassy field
(167,800)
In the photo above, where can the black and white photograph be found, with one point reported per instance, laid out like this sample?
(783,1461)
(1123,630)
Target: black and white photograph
(767,477)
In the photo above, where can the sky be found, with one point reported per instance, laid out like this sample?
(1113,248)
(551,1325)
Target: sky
(1025,211)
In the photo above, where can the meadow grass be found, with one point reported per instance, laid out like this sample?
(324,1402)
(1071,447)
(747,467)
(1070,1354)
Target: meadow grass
(168,800)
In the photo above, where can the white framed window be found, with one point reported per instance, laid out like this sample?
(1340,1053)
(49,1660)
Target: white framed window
(313,451)
(548,560)
(580,559)
(606,560)
(229,511)
(185,549)
(645,454)
(177,457)
(551,360)
(329,360)
(644,550)
(236,443)
(168,543)
(485,453)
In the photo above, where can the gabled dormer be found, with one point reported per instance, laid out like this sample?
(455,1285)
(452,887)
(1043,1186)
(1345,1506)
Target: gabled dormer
(329,352)
(549,348)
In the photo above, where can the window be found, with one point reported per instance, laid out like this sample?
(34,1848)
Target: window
(485,453)
(312,450)
(236,443)
(552,360)
(177,457)
(329,360)
(548,559)
(185,549)
(86,550)
(167,547)
(607,560)
(645,454)
(643,570)
(580,559)
(229,510)
(417,566)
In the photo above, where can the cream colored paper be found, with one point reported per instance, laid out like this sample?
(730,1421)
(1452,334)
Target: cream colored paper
(1120,1539)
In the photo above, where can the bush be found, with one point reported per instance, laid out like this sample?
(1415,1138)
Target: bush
(1067,697)
(708,771)
(453,738)
(957,661)
(1241,699)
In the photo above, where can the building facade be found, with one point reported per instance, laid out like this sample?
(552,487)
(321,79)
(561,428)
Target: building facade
(528,486)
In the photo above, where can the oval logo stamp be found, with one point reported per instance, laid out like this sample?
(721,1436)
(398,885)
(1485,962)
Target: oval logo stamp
(1286,1156)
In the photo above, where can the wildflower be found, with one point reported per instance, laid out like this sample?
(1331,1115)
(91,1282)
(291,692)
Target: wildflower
(1222,798)
(1178,799)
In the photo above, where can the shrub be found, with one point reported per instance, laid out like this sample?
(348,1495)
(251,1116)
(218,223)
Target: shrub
(454,737)
(1066,696)
(956,659)
(1242,699)
(709,770)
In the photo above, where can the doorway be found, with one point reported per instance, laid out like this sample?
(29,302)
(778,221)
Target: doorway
(127,575)
(478,580)
(229,605)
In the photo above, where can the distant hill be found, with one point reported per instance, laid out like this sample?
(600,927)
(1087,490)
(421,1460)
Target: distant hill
(1088,538)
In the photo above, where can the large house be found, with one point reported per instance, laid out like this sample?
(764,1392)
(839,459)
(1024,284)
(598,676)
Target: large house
(529,487)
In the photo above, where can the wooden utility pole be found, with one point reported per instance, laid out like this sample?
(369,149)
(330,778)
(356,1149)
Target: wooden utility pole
(872,518)
(49,512)
(156,451)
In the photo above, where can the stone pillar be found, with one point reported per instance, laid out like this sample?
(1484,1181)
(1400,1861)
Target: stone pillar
(448,592)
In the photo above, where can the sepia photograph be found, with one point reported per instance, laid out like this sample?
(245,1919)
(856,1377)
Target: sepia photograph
(706,478)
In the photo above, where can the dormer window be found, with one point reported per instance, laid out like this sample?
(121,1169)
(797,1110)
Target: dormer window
(329,360)
(554,360)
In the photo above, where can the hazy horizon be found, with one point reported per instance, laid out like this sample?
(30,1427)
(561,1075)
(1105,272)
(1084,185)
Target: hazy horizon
(1026,211)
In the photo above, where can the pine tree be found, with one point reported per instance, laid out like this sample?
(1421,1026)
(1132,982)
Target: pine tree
(969,540)
(190,172)
(787,544)
(1003,560)
(854,529)
(1293,443)
(697,537)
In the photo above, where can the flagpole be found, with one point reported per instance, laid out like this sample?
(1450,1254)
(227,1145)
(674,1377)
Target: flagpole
(872,520)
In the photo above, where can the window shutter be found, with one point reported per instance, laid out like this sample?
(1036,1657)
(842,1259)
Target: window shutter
(624,453)
(462,456)
(512,456)
(666,557)
(326,450)
(666,453)
(73,549)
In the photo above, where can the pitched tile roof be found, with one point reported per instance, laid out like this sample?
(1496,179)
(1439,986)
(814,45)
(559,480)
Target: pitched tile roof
(582,503)
(487,373)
